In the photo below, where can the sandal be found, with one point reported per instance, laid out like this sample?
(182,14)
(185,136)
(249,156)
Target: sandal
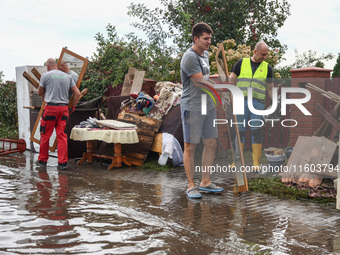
(193,193)
(212,188)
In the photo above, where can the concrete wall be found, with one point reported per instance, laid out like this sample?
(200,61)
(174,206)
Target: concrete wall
(24,98)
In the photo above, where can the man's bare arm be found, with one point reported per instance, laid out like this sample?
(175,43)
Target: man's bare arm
(41,91)
(76,97)
(198,79)
(270,86)
(232,78)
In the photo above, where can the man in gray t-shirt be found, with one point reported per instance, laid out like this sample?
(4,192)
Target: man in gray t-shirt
(64,67)
(55,87)
(191,64)
(196,124)
(73,75)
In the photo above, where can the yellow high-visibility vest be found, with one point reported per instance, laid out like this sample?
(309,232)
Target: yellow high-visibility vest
(257,82)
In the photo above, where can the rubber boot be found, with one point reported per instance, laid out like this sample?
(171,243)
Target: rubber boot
(257,151)
(242,147)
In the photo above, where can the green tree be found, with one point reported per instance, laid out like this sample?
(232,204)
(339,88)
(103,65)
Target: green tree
(283,71)
(305,59)
(1,75)
(309,58)
(336,69)
(108,65)
(114,55)
(245,21)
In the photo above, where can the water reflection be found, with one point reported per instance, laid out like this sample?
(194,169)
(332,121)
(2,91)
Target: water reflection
(50,202)
(16,161)
(129,211)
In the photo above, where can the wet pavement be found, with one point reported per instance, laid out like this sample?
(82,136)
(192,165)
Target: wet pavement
(90,210)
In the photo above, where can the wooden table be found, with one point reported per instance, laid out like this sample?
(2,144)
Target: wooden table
(117,137)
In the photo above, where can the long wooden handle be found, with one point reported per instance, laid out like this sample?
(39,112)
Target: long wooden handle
(36,73)
(224,59)
(31,107)
(83,92)
(31,80)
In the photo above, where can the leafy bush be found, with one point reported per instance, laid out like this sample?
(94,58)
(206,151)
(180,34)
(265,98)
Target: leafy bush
(8,103)
(234,52)
(114,55)
(8,132)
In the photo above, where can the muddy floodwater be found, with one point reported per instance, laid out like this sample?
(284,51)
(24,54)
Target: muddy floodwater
(90,210)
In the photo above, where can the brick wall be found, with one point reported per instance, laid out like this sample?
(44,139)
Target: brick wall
(307,125)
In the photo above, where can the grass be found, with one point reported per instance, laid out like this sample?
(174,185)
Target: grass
(152,163)
(275,187)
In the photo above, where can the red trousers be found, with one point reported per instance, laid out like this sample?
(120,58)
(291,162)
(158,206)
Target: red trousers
(54,117)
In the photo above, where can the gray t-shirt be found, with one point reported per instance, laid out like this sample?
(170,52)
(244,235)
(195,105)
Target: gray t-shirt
(74,76)
(192,63)
(57,86)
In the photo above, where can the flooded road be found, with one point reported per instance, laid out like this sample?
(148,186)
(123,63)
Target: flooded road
(90,210)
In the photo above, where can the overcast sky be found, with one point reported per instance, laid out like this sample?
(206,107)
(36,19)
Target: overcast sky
(34,30)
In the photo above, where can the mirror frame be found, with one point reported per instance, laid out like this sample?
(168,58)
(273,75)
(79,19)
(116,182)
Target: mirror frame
(81,75)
